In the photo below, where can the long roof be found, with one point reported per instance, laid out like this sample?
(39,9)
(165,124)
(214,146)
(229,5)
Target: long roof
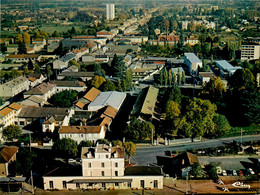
(41,112)
(15,106)
(145,101)
(13,56)
(7,153)
(92,94)
(15,82)
(112,98)
(77,74)
(80,129)
(68,83)
(5,111)
(226,65)
(192,58)
(41,89)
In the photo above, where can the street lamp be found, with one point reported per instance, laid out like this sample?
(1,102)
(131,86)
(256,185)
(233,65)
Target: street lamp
(241,139)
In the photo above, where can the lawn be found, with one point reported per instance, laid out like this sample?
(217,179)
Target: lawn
(58,28)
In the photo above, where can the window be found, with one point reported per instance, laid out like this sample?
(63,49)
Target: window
(21,122)
(117,184)
(89,165)
(103,173)
(81,135)
(155,183)
(116,173)
(51,184)
(129,184)
(77,185)
(64,184)
(106,156)
(102,164)
(116,164)
(142,183)
(103,185)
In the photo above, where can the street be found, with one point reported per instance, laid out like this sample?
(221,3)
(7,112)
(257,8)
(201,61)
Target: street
(147,154)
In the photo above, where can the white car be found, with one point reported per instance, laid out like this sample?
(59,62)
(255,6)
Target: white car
(219,170)
(224,173)
(72,160)
(250,170)
(234,173)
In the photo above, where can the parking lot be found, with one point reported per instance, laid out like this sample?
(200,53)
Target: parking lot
(230,163)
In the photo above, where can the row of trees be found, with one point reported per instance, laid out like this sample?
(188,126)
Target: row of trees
(168,77)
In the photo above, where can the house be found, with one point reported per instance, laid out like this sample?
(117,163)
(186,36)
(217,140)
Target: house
(191,40)
(7,155)
(35,79)
(44,91)
(226,69)
(52,46)
(22,57)
(101,58)
(14,87)
(145,103)
(105,34)
(63,62)
(177,165)
(128,60)
(193,62)
(31,114)
(82,133)
(33,101)
(92,94)
(69,85)
(72,68)
(103,168)
(80,52)
(93,46)
(84,76)
(72,44)
(169,38)
(120,50)
(131,39)
(250,51)
(111,98)
(206,76)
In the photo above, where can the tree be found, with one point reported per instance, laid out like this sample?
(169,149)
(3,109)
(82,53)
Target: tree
(37,69)
(108,86)
(22,48)
(221,125)
(172,110)
(49,71)
(241,79)
(179,76)
(206,49)
(198,119)
(139,130)
(165,76)
(183,78)
(119,87)
(97,81)
(30,65)
(175,95)
(103,141)
(12,131)
(75,63)
(60,50)
(129,78)
(19,39)
(64,99)
(170,77)
(23,164)
(84,143)
(26,38)
(117,143)
(129,149)
(161,77)
(197,48)
(211,170)
(196,170)
(65,148)
(214,89)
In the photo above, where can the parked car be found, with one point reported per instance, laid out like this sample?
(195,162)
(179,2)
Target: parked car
(219,170)
(250,170)
(240,173)
(224,173)
(234,173)
(72,160)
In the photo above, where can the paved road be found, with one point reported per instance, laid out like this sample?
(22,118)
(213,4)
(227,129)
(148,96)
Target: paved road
(147,154)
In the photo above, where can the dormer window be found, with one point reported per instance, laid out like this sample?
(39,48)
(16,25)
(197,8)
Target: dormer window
(89,155)
(115,155)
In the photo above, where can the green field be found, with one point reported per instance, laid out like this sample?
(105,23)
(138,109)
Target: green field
(58,28)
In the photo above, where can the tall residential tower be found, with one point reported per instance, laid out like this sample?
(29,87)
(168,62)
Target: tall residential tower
(110,11)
